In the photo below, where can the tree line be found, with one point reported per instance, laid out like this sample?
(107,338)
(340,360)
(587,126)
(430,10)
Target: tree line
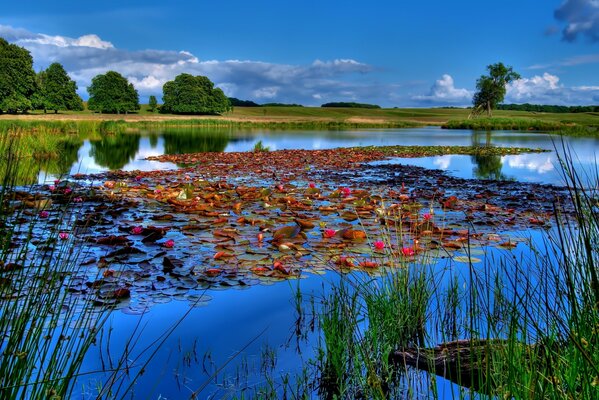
(22,90)
(548,108)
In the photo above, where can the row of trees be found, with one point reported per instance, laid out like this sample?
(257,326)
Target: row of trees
(21,90)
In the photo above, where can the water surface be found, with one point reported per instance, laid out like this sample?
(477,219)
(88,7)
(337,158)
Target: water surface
(128,151)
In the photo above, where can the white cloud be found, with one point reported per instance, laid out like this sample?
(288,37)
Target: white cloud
(547,89)
(89,55)
(266,93)
(23,36)
(581,18)
(444,92)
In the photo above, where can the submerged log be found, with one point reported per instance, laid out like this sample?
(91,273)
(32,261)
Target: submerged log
(465,362)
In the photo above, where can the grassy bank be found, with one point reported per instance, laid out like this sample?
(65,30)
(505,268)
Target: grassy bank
(588,126)
(336,118)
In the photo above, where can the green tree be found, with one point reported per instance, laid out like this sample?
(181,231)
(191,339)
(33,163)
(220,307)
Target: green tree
(189,94)
(57,91)
(491,88)
(112,93)
(152,103)
(17,78)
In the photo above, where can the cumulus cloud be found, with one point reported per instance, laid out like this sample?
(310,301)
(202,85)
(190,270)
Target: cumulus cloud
(547,89)
(444,92)
(581,18)
(87,56)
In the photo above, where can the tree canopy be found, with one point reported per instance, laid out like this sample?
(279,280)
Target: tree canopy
(152,103)
(491,88)
(17,78)
(112,93)
(57,91)
(189,94)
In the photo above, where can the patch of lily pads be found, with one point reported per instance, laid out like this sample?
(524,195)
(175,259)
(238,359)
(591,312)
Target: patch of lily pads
(235,220)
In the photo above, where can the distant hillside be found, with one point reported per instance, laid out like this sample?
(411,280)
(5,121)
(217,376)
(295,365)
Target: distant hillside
(341,104)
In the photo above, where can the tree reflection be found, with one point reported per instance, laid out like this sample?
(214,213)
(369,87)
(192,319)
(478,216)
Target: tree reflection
(115,151)
(68,152)
(196,141)
(487,166)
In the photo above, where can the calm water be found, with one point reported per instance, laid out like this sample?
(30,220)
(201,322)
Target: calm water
(128,151)
(210,335)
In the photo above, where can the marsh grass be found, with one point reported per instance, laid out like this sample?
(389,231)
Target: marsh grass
(527,320)
(45,330)
(45,334)
(525,124)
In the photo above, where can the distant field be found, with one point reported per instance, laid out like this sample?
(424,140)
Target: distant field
(356,116)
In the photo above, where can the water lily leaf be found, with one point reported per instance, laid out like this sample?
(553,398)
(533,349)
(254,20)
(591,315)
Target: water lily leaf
(351,234)
(286,232)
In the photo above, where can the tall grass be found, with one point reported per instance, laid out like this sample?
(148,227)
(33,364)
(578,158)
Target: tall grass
(528,322)
(524,124)
(45,334)
(45,330)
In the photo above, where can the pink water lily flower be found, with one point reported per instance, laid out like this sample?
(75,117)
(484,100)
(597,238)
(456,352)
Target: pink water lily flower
(427,216)
(329,233)
(346,191)
(52,188)
(137,230)
(169,244)
(78,200)
(44,214)
(63,235)
(407,251)
(311,185)
(67,191)
(379,245)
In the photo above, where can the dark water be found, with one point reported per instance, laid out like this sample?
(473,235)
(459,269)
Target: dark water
(209,336)
(129,150)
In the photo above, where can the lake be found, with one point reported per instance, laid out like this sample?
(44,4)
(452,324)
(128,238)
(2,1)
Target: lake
(261,321)
(127,152)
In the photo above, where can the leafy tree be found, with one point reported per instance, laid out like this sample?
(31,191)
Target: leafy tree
(491,88)
(57,91)
(17,78)
(189,94)
(112,93)
(152,103)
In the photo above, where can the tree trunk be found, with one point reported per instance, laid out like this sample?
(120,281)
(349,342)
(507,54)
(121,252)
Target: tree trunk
(489,111)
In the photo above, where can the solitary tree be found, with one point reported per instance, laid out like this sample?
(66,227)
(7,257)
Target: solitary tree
(57,91)
(17,78)
(189,94)
(152,103)
(491,88)
(112,93)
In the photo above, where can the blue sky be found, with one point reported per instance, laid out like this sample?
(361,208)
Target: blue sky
(392,53)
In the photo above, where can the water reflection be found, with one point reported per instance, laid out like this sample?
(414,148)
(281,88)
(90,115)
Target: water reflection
(128,150)
(486,166)
(115,151)
(177,142)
